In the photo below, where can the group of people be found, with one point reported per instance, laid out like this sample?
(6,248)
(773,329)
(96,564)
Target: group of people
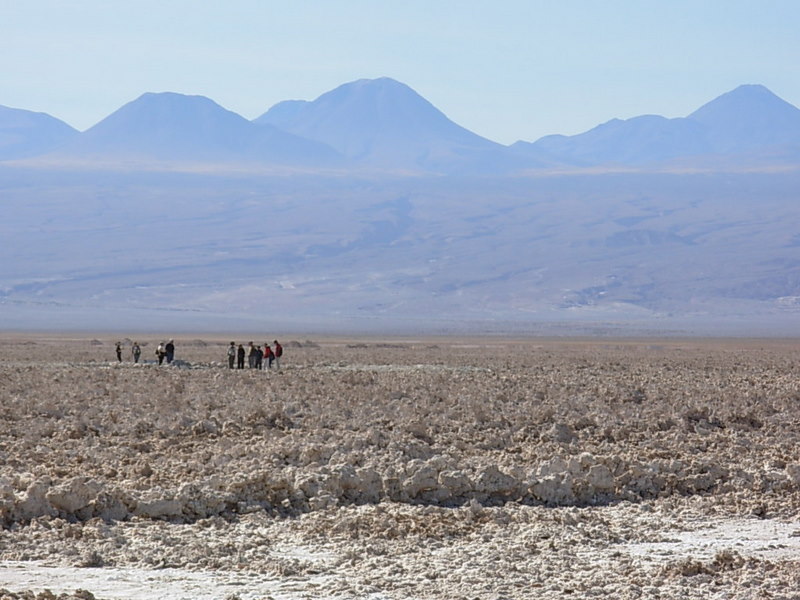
(136,351)
(257,357)
(164,351)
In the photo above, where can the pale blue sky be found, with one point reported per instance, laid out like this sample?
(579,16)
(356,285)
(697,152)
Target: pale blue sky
(506,69)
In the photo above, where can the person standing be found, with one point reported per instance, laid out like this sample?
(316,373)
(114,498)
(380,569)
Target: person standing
(278,354)
(259,358)
(119,351)
(251,356)
(160,352)
(240,357)
(268,357)
(231,354)
(136,351)
(170,351)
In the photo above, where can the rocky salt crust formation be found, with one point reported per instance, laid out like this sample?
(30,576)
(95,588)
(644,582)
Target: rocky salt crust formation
(451,469)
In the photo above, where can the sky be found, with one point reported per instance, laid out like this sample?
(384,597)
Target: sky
(506,69)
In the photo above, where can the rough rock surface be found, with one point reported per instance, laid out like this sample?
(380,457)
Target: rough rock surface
(454,469)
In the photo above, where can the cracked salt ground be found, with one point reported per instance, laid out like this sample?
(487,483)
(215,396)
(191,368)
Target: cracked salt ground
(763,538)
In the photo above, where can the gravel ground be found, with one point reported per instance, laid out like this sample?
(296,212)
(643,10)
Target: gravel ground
(430,468)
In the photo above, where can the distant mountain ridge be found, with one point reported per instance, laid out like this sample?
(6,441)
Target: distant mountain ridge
(352,221)
(385,125)
(25,133)
(175,127)
(740,124)
(749,117)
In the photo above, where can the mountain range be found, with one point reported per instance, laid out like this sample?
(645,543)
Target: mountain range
(749,125)
(369,209)
(382,124)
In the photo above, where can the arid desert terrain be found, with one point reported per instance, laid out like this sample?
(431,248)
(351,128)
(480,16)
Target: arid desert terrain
(401,469)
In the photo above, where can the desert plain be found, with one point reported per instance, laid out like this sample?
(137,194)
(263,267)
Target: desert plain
(430,468)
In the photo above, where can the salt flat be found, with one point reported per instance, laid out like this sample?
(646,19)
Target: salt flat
(400,468)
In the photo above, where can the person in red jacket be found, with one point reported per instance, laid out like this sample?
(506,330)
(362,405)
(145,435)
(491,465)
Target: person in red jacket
(278,353)
(268,356)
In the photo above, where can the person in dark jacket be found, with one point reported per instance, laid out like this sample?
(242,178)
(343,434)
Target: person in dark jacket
(136,351)
(169,350)
(240,357)
(118,349)
(251,356)
(278,354)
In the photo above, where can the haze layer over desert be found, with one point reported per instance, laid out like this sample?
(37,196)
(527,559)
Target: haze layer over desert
(400,469)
